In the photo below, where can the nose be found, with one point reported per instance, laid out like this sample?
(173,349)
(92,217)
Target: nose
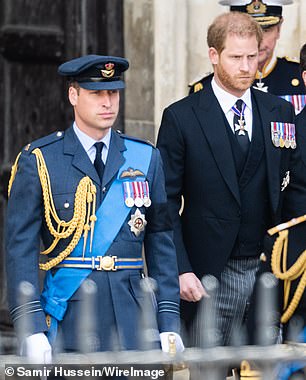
(106,100)
(244,64)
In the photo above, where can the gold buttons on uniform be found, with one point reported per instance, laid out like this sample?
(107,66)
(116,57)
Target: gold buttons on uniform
(295,82)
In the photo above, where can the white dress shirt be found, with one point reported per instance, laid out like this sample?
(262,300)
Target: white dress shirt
(227,100)
(88,143)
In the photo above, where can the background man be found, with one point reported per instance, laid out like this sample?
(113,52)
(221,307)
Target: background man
(280,76)
(221,155)
(301,119)
(93,197)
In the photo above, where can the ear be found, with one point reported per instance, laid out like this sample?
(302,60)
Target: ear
(213,55)
(304,76)
(73,95)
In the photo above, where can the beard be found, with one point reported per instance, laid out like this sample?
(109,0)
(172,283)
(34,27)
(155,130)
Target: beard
(234,83)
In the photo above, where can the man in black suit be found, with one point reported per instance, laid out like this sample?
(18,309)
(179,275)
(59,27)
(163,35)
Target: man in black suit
(231,153)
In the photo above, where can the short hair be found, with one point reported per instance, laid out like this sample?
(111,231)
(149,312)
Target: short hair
(303,58)
(232,23)
(73,83)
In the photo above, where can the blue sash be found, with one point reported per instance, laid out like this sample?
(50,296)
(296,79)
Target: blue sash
(59,288)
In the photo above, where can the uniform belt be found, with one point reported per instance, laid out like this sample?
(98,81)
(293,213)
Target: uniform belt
(105,263)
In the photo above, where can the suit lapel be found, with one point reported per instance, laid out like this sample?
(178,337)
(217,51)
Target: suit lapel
(268,113)
(256,149)
(115,158)
(80,160)
(211,120)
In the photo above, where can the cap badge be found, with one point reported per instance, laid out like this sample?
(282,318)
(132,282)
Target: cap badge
(109,70)
(256,7)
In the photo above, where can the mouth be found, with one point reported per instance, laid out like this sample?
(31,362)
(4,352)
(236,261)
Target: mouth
(106,115)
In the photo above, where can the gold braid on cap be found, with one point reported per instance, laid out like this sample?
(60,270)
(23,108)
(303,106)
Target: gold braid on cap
(279,266)
(267,20)
(83,219)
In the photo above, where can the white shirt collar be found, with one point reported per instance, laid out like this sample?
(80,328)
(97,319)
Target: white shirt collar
(88,141)
(227,100)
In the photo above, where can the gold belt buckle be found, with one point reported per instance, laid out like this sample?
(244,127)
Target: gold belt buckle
(106,263)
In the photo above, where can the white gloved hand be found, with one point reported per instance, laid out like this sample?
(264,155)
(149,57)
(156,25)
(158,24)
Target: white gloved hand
(37,349)
(164,341)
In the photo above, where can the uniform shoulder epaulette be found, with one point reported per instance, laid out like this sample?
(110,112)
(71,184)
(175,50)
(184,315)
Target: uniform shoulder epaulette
(198,79)
(292,59)
(198,84)
(43,141)
(133,138)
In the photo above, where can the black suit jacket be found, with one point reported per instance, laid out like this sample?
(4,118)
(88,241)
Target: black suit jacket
(199,167)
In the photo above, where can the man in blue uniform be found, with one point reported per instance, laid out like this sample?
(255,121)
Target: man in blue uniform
(279,76)
(92,197)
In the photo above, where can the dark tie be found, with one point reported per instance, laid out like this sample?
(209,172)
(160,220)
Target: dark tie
(239,124)
(98,163)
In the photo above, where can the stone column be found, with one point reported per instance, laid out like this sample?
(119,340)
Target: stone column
(139,49)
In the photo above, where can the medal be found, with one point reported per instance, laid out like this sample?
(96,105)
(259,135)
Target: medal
(298,101)
(128,194)
(129,201)
(138,202)
(137,192)
(275,134)
(137,222)
(260,84)
(147,202)
(146,194)
(287,142)
(241,122)
(292,136)
(283,134)
(281,139)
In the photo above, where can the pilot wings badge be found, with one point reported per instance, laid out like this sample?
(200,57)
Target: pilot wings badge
(131,173)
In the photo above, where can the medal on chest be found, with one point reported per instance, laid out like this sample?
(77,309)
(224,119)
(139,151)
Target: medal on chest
(137,222)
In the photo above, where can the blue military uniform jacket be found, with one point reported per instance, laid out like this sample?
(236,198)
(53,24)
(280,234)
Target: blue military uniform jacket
(119,297)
